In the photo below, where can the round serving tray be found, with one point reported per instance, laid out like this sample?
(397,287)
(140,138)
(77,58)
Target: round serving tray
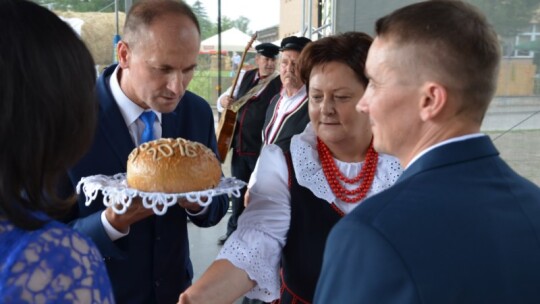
(117,194)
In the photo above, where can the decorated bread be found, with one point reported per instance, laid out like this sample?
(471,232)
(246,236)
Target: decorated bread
(172,166)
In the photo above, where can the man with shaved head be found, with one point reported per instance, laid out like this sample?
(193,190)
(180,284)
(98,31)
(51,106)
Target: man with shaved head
(459,225)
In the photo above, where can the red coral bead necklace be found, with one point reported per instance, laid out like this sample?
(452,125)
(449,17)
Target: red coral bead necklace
(336,179)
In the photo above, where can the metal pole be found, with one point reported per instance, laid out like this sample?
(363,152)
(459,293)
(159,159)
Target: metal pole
(219,47)
(127,5)
(303,21)
(310,19)
(116,37)
(116,16)
(334,14)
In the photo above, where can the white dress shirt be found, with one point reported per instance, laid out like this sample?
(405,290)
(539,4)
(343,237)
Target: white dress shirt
(131,111)
(442,143)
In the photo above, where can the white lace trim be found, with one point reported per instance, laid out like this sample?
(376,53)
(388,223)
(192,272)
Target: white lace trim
(117,194)
(253,251)
(309,172)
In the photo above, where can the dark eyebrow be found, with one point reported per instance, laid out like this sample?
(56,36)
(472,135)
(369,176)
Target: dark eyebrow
(165,67)
(191,67)
(169,67)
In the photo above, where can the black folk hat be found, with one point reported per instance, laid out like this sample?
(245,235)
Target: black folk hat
(267,49)
(294,43)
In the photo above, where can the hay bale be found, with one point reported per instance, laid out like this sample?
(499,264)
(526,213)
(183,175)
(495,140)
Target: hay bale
(97,32)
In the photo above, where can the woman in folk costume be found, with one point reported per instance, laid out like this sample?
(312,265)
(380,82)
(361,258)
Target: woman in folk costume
(296,197)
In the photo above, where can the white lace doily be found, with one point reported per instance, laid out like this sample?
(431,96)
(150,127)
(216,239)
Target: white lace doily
(116,193)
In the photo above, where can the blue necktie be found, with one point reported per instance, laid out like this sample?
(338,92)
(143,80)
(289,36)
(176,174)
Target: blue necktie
(148,132)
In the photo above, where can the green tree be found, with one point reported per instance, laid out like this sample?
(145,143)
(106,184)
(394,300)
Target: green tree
(207,27)
(226,23)
(242,23)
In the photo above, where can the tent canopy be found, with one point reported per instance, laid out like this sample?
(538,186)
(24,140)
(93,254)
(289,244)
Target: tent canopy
(232,40)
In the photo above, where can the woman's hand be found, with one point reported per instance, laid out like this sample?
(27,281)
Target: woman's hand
(246,198)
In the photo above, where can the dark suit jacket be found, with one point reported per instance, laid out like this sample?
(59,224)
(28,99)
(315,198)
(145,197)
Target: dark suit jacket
(459,226)
(247,139)
(151,264)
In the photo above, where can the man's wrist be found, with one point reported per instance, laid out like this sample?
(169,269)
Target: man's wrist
(116,222)
(112,232)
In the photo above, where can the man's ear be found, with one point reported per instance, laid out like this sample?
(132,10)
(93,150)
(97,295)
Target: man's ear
(124,54)
(434,100)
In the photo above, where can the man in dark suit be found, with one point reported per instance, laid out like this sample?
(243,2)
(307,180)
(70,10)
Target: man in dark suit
(459,226)
(147,256)
(250,100)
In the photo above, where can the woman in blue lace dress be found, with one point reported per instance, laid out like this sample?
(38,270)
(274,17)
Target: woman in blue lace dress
(47,119)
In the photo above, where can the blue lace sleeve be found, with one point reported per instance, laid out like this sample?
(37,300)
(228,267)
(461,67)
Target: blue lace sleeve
(52,265)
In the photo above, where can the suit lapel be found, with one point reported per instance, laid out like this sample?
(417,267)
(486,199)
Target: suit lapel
(451,153)
(170,125)
(112,124)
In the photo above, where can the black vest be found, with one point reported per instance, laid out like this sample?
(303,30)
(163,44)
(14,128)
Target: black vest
(250,117)
(312,219)
(294,124)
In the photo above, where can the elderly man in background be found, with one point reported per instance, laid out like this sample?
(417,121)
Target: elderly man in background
(287,114)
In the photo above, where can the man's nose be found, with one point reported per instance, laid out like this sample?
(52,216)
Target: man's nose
(175,83)
(362,105)
(291,67)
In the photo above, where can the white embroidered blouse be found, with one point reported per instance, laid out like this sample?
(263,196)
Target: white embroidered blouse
(257,243)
